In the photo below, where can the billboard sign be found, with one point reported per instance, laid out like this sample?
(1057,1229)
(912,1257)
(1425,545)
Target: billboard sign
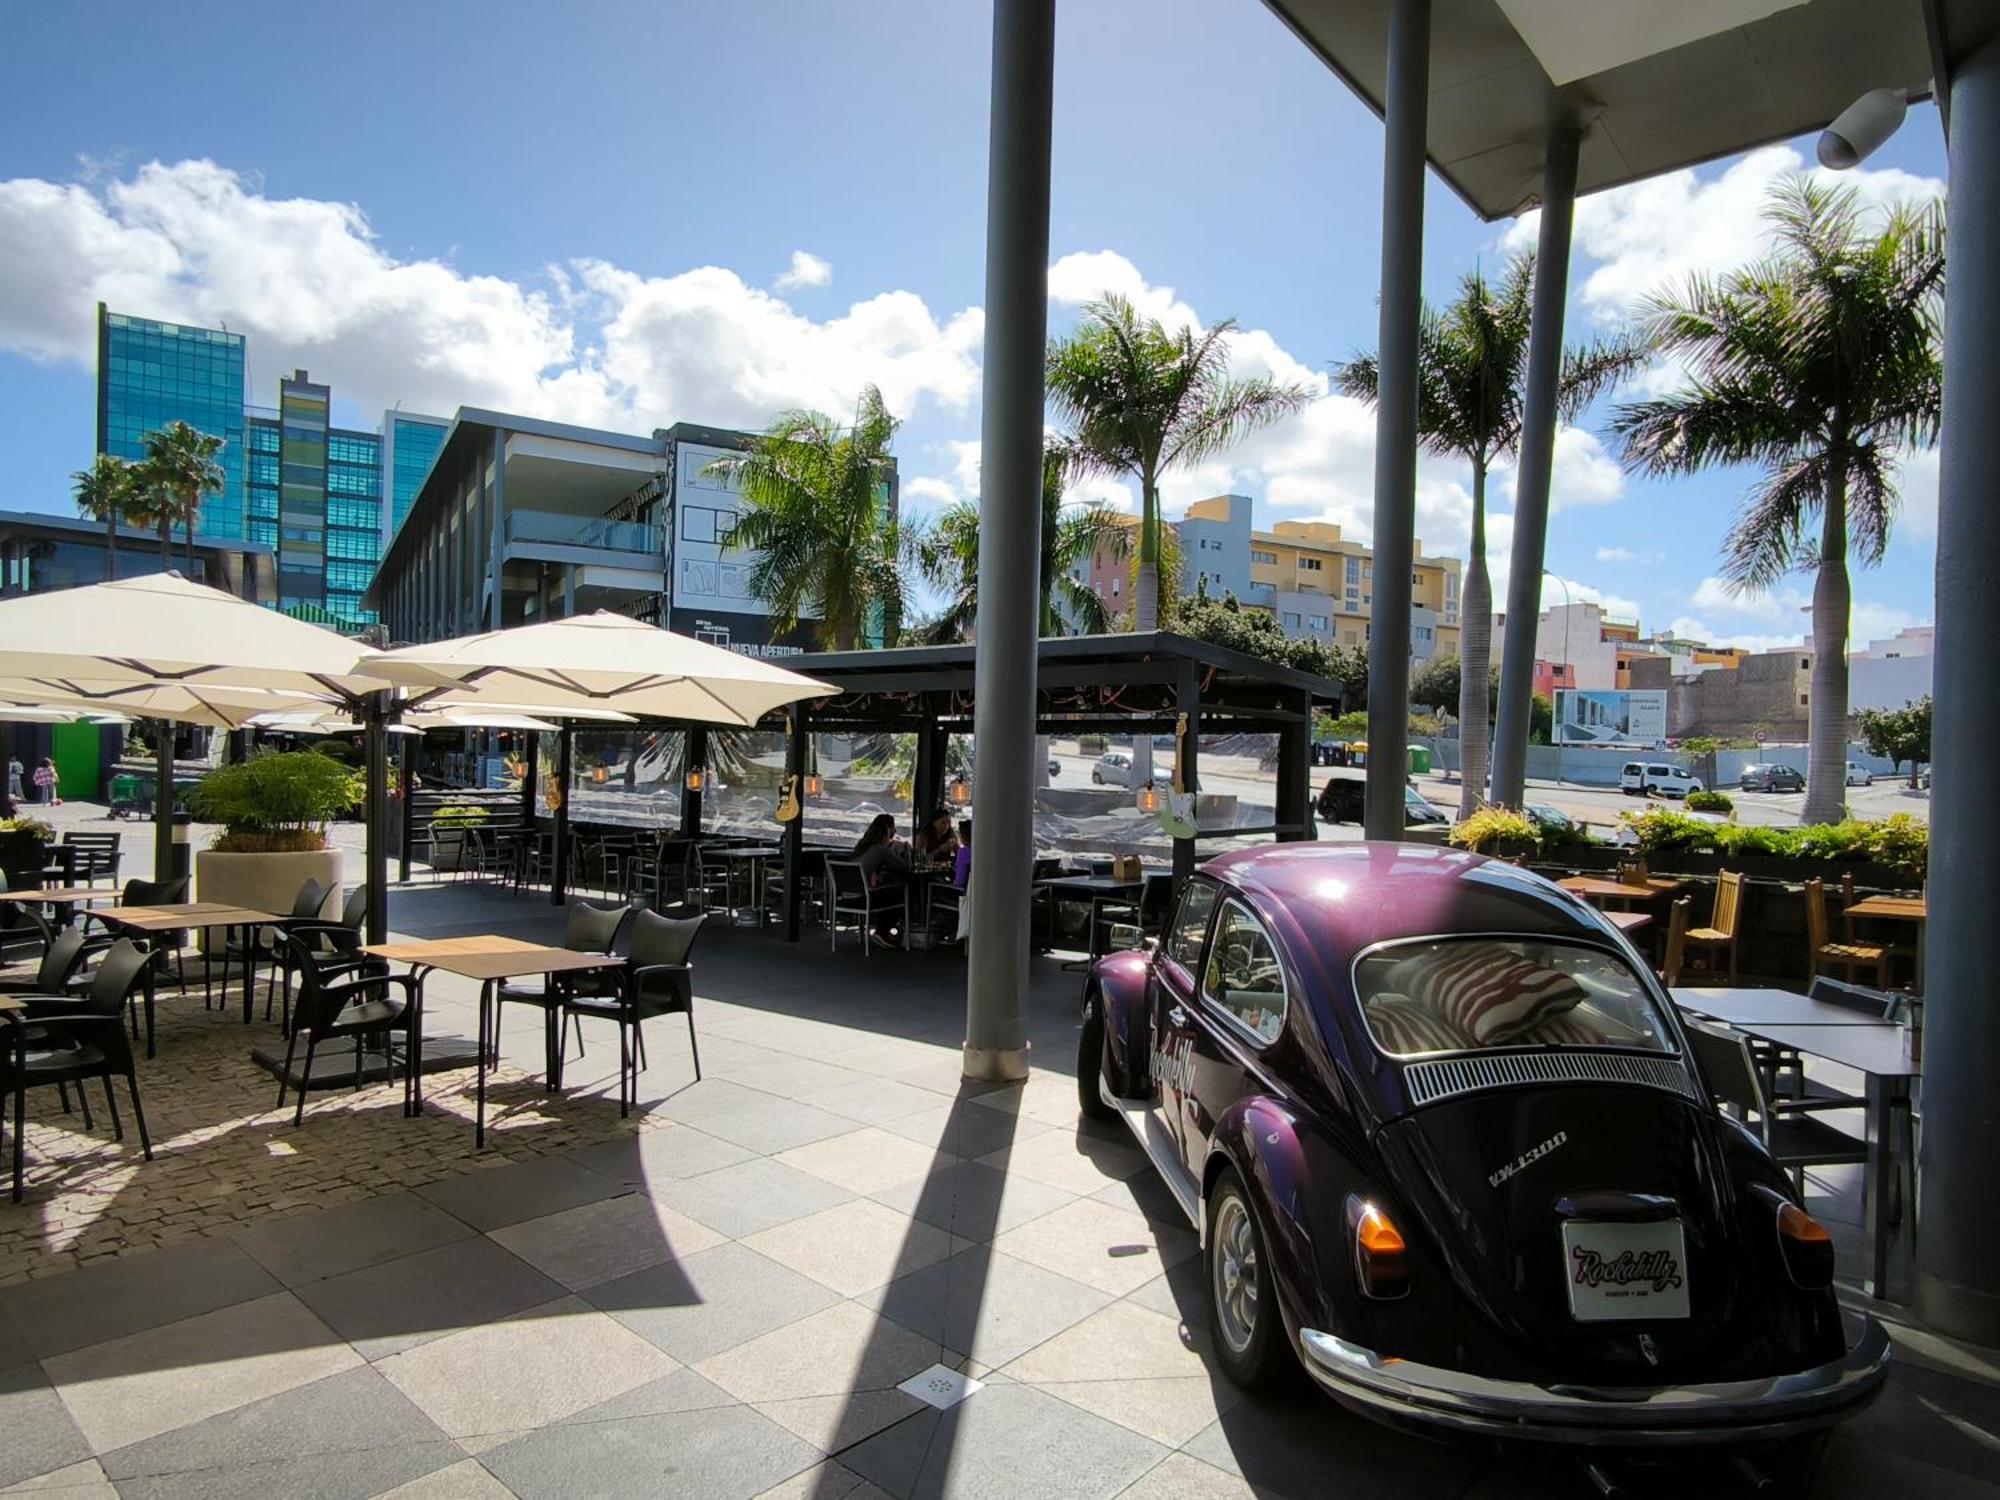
(1618,717)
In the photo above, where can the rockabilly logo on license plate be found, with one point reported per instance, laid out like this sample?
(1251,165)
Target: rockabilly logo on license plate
(1626,1271)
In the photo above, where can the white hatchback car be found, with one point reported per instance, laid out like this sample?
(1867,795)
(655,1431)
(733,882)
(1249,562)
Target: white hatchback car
(1113,768)
(1859,775)
(1647,778)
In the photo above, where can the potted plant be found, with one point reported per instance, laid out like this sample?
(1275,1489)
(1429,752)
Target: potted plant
(1499,831)
(24,850)
(274,810)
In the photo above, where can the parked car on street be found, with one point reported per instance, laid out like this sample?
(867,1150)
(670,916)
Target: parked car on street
(1650,778)
(1342,799)
(1548,819)
(1859,775)
(1113,768)
(1767,778)
(1446,1145)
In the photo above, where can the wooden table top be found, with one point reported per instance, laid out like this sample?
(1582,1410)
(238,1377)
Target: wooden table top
(185,914)
(63,893)
(1897,908)
(1599,887)
(12,1002)
(1629,921)
(491,956)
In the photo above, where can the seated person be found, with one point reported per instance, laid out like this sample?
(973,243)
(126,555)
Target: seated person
(935,840)
(883,856)
(961,862)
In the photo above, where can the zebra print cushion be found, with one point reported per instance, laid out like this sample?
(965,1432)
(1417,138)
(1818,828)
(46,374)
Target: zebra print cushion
(1493,1001)
(1407,1027)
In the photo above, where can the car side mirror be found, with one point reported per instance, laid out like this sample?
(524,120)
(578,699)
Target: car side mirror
(1126,938)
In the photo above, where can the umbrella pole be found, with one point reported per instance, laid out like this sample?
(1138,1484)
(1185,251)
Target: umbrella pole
(559,866)
(163,801)
(375,719)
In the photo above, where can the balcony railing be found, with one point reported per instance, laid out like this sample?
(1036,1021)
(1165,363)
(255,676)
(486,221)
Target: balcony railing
(583,531)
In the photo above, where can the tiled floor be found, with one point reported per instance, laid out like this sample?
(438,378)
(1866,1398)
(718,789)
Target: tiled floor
(725,1302)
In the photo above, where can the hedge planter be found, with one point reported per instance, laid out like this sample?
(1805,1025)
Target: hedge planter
(266,882)
(22,856)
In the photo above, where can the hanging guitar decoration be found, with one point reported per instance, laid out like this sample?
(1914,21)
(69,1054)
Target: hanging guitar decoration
(788,804)
(1177,817)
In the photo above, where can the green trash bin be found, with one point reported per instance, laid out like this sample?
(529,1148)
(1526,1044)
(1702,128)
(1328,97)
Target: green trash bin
(125,794)
(1420,760)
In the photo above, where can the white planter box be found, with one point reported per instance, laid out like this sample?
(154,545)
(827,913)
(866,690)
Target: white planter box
(266,882)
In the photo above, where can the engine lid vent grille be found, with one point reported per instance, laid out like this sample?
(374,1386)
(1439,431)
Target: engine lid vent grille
(1448,1077)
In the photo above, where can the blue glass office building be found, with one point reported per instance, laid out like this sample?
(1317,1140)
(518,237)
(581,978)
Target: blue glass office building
(324,499)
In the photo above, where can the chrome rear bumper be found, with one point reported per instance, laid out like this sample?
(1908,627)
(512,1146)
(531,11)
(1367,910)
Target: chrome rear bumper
(1730,1412)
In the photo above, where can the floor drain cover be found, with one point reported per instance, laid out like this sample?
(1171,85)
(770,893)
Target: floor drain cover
(940,1386)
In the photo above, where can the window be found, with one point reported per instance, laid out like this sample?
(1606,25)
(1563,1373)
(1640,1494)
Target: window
(1245,979)
(1421,632)
(1354,570)
(1316,622)
(1802,700)
(1465,994)
(1310,564)
(1190,924)
(1268,559)
(1291,621)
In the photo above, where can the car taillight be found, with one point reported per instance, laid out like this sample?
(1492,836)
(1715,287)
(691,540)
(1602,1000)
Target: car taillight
(1381,1258)
(1807,1247)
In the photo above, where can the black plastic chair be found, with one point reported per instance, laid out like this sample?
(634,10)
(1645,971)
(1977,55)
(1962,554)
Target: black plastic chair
(97,856)
(24,932)
(160,945)
(588,929)
(362,1008)
(336,944)
(658,980)
(266,944)
(1791,1130)
(65,1039)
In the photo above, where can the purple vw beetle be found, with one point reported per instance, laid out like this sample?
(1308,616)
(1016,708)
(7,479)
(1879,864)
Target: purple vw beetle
(1446,1146)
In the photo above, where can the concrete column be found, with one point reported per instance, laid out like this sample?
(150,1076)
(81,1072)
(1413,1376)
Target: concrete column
(1010,519)
(163,800)
(496,618)
(1294,791)
(405,759)
(1538,447)
(1406,109)
(1958,1200)
(1187,760)
(798,738)
(694,757)
(375,806)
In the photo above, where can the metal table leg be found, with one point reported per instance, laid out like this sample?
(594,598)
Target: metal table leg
(479,1108)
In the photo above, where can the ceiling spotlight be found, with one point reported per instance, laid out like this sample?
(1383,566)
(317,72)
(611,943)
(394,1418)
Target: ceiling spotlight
(1861,128)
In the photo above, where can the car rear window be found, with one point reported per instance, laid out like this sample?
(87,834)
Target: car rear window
(1632,768)
(1474,993)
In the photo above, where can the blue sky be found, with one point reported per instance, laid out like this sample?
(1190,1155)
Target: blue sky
(602,221)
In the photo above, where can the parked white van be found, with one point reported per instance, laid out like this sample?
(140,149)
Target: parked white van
(1647,778)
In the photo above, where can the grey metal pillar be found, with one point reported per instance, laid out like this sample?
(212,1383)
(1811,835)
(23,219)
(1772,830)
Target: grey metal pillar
(406,761)
(1538,448)
(1406,109)
(1958,1199)
(694,757)
(496,532)
(1187,761)
(1010,520)
(1294,790)
(559,862)
(375,809)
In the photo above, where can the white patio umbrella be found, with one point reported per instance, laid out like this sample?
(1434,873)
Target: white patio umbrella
(214,705)
(163,628)
(15,713)
(597,661)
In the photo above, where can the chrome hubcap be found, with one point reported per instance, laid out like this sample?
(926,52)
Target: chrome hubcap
(1235,1276)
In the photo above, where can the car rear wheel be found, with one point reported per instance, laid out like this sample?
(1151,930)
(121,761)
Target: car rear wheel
(1244,1323)
(1090,1063)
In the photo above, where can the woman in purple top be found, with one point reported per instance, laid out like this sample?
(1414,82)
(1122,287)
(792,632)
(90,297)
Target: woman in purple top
(961,862)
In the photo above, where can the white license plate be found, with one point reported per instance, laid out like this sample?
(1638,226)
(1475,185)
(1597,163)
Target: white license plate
(1625,1271)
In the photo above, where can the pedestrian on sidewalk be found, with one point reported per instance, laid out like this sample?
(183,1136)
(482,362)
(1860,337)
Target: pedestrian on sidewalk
(14,774)
(48,785)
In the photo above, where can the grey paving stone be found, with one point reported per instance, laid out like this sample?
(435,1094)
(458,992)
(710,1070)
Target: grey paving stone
(355,1475)
(39,1433)
(709,1302)
(527,1190)
(350,1237)
(1301,1446)
(343,1414)
(681,1391)
(773,1124)
(388,1308)
(1858,1470)
(133,1293)
(1942,1419)
(722,1454)
(652,1155)
(962,1128)
(1003,1442)
(14,1349)
(749,1196)
(974,1201)
(986,1304)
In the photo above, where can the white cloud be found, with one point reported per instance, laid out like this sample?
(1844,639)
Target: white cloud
(1918,483)
(1616,555)
(806,269)
(926,491)
(1659,231)
(1778,619)
(1087,275)
(308,283)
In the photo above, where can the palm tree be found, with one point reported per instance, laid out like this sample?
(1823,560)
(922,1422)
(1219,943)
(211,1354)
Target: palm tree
(179,472)
(816,506)
(104,492)
(1818,364)
(1139,400)
(1472,364)
(948,553)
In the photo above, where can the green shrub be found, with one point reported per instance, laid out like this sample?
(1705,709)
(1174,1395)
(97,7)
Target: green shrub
(46,832)
(1717,802)
(1663,830)
(277,803)
(1903,843)
(1757,842)
(1493,825)
(459,815)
